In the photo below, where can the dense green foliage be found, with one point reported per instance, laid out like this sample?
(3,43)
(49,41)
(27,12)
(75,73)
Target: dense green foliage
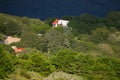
(9,26)
(6,63)
(86,23)
(56,40)
(113,19)
(92,68)
(36,62)
(100,35)
(13,25)
(89,47)
(34,25)
(30,39)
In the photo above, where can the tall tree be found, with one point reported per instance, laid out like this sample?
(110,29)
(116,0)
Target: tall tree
(6,63)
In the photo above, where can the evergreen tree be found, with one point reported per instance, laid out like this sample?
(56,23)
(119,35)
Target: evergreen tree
(6,63)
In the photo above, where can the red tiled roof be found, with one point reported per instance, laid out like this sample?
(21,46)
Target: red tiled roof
(56,21)
(20,49)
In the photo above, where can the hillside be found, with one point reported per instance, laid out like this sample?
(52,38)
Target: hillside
(88,49)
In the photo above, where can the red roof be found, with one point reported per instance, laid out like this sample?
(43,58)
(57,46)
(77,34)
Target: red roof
(56,21)
(20,49)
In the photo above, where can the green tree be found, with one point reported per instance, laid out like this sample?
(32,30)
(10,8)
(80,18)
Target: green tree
(6,63)
(30,39)
(100,35)
(64,60)
(1,38)
(10,26)
(87,66)
(56,40)
(84,24)
(88,19)
(35,25)
(78,27)
(112,20)
(37,62)
(41,64)
(49,20)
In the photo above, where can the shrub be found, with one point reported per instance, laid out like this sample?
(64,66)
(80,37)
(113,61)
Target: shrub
(32,40)
(24,74)
(100,35)
(105,48)
(37,62)
(56,40)
(64,59)
(87,66)
(112,38)
(35,25)
(10,26)
(6,63)
(82,46)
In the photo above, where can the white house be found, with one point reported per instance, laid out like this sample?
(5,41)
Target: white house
(17,50)
(59,22)
(10,40)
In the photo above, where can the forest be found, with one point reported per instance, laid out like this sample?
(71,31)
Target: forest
(88,49)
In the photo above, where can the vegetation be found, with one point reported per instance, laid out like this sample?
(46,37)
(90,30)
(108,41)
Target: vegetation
(100,67)
(9,26)
(89,49)
(6,63)
(36,62)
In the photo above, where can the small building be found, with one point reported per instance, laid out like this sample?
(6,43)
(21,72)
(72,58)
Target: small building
(59,22)
(10,40)
(17,50)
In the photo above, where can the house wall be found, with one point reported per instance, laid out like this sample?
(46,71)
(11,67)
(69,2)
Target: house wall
(10,40)
(61,23)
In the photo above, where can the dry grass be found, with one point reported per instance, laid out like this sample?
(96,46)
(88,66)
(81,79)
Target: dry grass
(113,38)
(21,75)
(62,76)
(105,48)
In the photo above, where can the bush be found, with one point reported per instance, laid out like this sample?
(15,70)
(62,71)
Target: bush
(6,63)
(112,20)
(82,46)
(10,26)
(112,38)
(32,40)
(56,40)
(63,60)
(34,25)
(100,35)
(37,62)
(105,48)
(24,74)
(87,66)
